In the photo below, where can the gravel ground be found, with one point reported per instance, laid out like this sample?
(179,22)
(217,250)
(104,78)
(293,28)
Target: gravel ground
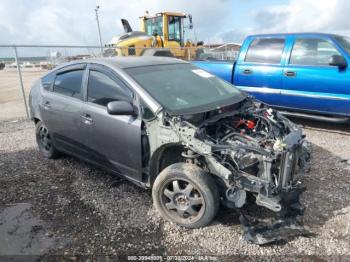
(66,207)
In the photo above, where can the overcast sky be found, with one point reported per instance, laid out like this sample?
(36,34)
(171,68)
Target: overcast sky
(73,21)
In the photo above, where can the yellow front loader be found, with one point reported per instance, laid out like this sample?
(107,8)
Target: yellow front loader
(164,30)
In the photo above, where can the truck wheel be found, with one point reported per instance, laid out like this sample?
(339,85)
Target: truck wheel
(185,194)
(44,141)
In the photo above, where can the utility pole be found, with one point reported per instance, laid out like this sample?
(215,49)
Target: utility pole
(98,27)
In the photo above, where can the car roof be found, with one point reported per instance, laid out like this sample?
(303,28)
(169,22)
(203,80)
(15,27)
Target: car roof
(134,61)
(293,34)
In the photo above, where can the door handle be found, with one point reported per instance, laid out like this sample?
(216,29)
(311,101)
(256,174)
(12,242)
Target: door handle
(86,119)
(290,73)
(247,71)
(47,105)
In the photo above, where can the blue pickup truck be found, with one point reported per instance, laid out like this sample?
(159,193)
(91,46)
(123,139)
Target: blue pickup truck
(307,73)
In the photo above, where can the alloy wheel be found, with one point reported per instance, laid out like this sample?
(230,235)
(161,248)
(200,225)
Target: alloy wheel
(183,200)
(44,138)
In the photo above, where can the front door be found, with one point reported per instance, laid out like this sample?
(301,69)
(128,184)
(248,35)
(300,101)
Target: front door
(114,141)
(259,69)
(310,83)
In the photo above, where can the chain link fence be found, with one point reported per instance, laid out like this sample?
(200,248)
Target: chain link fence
(22,65)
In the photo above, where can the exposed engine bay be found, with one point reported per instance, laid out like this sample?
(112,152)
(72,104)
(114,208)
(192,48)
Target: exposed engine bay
(251,150)
(264,152)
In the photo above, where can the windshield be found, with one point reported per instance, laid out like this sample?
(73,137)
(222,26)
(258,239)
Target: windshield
(345,42)
(184,88)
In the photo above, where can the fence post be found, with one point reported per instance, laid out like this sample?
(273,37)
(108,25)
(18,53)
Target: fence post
(21,81)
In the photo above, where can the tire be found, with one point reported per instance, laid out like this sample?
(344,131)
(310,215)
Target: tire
(44,141)
(187,195)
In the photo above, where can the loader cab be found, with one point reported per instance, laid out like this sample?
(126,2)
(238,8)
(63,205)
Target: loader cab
(162,30)
(168,25)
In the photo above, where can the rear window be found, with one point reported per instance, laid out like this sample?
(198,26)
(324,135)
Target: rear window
(47,81)
(69,83)
(265,50)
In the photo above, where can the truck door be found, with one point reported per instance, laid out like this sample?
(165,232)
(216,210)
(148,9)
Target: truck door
(310,83)
(259,70)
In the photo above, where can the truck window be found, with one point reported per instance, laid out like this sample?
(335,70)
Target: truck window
(344,42)
(154,25)
(265,50)
(174,28)
(314,52)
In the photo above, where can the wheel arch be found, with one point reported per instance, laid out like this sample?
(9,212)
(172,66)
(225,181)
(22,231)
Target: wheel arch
(36,119)
(163,157)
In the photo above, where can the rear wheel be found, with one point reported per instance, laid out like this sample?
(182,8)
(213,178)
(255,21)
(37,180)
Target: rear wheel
(44,141)
(186,195)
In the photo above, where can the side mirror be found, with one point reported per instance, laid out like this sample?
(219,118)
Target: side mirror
(120,108)
(190,20)
(338,60)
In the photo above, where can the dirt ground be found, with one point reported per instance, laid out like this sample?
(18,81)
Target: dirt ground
(66,207)
(11,100)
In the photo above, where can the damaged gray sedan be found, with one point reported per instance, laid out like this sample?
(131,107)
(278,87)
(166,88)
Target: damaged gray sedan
(165,124)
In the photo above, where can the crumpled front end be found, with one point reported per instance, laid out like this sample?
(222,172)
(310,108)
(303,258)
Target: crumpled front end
(252,152)
(275,180)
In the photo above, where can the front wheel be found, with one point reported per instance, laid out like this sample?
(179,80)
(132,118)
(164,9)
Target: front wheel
(186,195)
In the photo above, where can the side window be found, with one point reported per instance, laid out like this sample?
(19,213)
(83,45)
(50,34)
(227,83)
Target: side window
(69,83)
(47,81)
(309,51)
(102,89)
(265,50)
(146,112)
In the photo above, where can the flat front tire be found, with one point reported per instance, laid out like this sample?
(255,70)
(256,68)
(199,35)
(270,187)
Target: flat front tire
(187,195)
(44,141)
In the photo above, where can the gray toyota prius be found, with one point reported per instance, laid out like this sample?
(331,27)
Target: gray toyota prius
(165,124)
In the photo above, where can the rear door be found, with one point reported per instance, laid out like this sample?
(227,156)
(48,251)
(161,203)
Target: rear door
(309,82)
(61,108)
(114,141)
(259,68)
